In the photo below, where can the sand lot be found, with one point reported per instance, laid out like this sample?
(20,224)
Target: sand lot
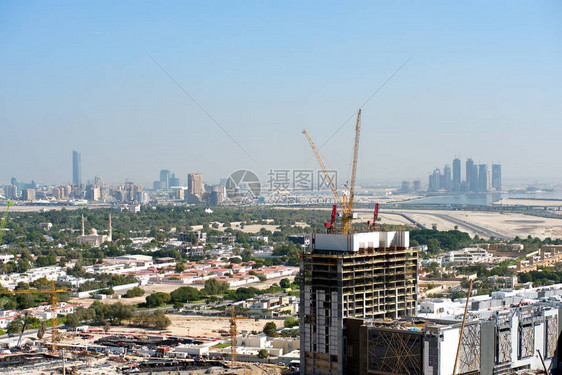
(167,288)
(507,224)
(191,325)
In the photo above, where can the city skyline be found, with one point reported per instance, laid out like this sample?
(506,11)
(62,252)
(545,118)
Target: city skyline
(481,74)
(478,177)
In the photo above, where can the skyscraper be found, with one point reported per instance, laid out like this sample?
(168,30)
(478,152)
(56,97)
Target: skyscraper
(469,173)
(497,177)
(446,178)
(483,177)
(195,184)
(474,182)
(435,180)
(164,179)
(456,174)
(362,275)
(76,168)
(173,181)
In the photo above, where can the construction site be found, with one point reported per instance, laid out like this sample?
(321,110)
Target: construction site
(127,351)
(520,338)
(351,272)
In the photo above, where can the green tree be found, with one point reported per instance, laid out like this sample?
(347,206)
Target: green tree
(291,322)
(263,354)
(214,287)
(285,283)
(134,292)
(185,294)
(157,299)
(270,329)
(15,326)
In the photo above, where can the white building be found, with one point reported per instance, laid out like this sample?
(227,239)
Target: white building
(466,255)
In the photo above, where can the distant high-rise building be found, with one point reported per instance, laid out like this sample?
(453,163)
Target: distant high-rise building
(497,177)
(195,184)
(417,185)
(76,168)
(11,191)
(474,182)
(435,181)
(445,181)
(405,187)
(164,179)
(456,174)
(93,193)
(28,194)
(174,181)
(468,170)
(483,177)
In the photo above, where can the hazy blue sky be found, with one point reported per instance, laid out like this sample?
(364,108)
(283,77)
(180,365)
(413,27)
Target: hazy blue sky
(485,81)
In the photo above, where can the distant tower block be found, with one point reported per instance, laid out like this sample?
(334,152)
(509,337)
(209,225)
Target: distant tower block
(76,168)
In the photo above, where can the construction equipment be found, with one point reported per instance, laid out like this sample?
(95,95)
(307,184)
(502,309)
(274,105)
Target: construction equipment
(22,330)
(53,292)
(347,198)
(330,226)
(471,279)
(233,334)
(4,220)
(373,224)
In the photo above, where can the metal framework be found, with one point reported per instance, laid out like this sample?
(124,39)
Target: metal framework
(551,336)
(469,360)
(504,345)
(395,352)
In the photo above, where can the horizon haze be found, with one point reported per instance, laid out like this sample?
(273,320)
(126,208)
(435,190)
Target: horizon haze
(484,82)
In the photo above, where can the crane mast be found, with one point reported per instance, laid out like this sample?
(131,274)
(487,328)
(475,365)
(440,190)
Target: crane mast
(345,201)
(347,216)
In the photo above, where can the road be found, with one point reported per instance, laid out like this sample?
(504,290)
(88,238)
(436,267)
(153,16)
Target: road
(475,228)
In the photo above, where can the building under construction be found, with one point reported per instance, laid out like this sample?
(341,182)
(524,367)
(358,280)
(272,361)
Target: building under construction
(363,275)
(493,342)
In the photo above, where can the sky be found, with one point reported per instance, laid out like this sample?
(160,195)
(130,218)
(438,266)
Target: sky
(483,80)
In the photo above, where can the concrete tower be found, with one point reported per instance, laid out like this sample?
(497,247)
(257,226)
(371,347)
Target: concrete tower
(76,168)
(347,277)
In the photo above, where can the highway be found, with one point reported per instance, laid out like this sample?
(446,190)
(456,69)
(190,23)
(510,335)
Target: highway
(475,228)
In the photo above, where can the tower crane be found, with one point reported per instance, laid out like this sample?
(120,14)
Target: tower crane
(345,200)
(234,333)
(53,292)
(373,224)
(330,226)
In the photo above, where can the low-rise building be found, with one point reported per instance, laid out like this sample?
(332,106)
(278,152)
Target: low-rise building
(466,255)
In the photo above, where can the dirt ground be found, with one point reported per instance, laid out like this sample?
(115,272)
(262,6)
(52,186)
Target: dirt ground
(168,288)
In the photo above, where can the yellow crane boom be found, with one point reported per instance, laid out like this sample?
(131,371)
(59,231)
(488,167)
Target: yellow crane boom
(53,300)
(354,164)
(345,201)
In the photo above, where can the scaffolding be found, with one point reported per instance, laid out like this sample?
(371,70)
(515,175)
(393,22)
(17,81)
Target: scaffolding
(395,352)
(371,283)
